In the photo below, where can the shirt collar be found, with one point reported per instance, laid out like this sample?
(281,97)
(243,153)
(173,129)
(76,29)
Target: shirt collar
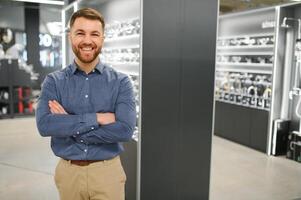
(99,67)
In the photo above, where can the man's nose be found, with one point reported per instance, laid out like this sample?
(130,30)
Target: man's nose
(87,39)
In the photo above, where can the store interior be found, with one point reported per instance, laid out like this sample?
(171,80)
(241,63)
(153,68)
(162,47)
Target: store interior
(255,142)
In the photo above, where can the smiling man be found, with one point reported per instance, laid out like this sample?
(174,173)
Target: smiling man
(87,109)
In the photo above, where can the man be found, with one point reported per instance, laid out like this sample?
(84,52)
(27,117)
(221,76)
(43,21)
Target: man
(87,109)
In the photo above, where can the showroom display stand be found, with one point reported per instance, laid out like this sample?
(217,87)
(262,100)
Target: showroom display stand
(244,68)
(255,72)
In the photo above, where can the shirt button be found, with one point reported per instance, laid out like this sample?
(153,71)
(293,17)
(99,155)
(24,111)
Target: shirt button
(86,96)
(87,79)
(93,70)
(85,150)
(92,128)
(81,141)
(77,132)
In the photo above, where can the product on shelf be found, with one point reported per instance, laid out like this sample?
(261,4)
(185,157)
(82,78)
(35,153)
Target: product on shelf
(120,55)
(246,89)
(4,95)
(124,28)
(4,101)
(22,100)
(254,59)
(242,41)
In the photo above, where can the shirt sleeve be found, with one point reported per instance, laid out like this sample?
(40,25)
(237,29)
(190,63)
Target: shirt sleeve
(125,114)
(60,125)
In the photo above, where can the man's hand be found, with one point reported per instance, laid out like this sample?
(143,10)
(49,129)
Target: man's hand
(56,108)
(105,118)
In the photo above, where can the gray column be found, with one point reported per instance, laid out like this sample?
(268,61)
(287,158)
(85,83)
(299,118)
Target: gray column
(32,23)
(178,65)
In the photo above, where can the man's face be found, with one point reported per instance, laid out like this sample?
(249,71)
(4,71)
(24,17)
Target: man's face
(86,37)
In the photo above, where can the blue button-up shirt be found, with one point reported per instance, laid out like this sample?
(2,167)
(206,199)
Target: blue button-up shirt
(77,135)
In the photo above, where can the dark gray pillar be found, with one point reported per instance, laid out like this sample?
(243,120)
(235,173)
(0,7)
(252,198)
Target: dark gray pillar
(32,23)
(178,64)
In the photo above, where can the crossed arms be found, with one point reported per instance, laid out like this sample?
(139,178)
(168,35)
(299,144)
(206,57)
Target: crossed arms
(97,128)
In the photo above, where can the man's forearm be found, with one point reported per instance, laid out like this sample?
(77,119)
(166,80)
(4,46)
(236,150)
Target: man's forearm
(63,125)
(119,131)
(106,134)
(59,123)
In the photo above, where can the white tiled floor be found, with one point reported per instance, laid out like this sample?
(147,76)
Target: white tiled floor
(27,167)
(26,162)
(239,172)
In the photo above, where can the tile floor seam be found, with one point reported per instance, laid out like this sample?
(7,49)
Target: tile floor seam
(27,169)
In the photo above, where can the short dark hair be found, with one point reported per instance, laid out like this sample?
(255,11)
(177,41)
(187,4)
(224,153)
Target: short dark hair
(88,13)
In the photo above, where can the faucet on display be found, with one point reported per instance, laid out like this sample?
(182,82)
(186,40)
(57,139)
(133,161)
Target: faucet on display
(296,90)
(286,25)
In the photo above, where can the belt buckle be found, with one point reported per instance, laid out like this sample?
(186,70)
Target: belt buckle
(81,162)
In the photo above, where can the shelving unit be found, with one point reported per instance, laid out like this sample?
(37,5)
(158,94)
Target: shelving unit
(244,70)
(125,39)
(15,90)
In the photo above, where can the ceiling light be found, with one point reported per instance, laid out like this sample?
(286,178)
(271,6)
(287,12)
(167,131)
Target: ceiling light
(43,2)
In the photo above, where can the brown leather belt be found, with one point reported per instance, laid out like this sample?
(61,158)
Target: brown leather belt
(83,162)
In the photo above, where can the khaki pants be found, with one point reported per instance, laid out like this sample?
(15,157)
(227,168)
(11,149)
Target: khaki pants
(103,180)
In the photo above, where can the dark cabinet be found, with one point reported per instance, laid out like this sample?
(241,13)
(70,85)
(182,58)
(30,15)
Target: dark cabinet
(246,126)
(242,124)
(259,129)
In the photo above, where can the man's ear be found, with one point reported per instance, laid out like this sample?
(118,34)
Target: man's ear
(69,35)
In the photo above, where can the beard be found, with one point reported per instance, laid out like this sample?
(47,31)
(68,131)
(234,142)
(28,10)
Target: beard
(83,56)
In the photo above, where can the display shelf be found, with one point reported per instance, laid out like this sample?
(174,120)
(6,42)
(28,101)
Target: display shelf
(5,116)
(258,35)
(122,41)
(128,68)
(252,82)
(246,47)
(231,69)
(246,53)
(245,67)
(122,47)
(245,95)
(240,104)
(267,65)
(125,37)
(4,101)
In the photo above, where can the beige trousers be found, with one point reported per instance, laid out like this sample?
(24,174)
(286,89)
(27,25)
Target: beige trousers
(103,180)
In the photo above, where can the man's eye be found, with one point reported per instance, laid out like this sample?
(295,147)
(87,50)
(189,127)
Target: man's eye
(79,34)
